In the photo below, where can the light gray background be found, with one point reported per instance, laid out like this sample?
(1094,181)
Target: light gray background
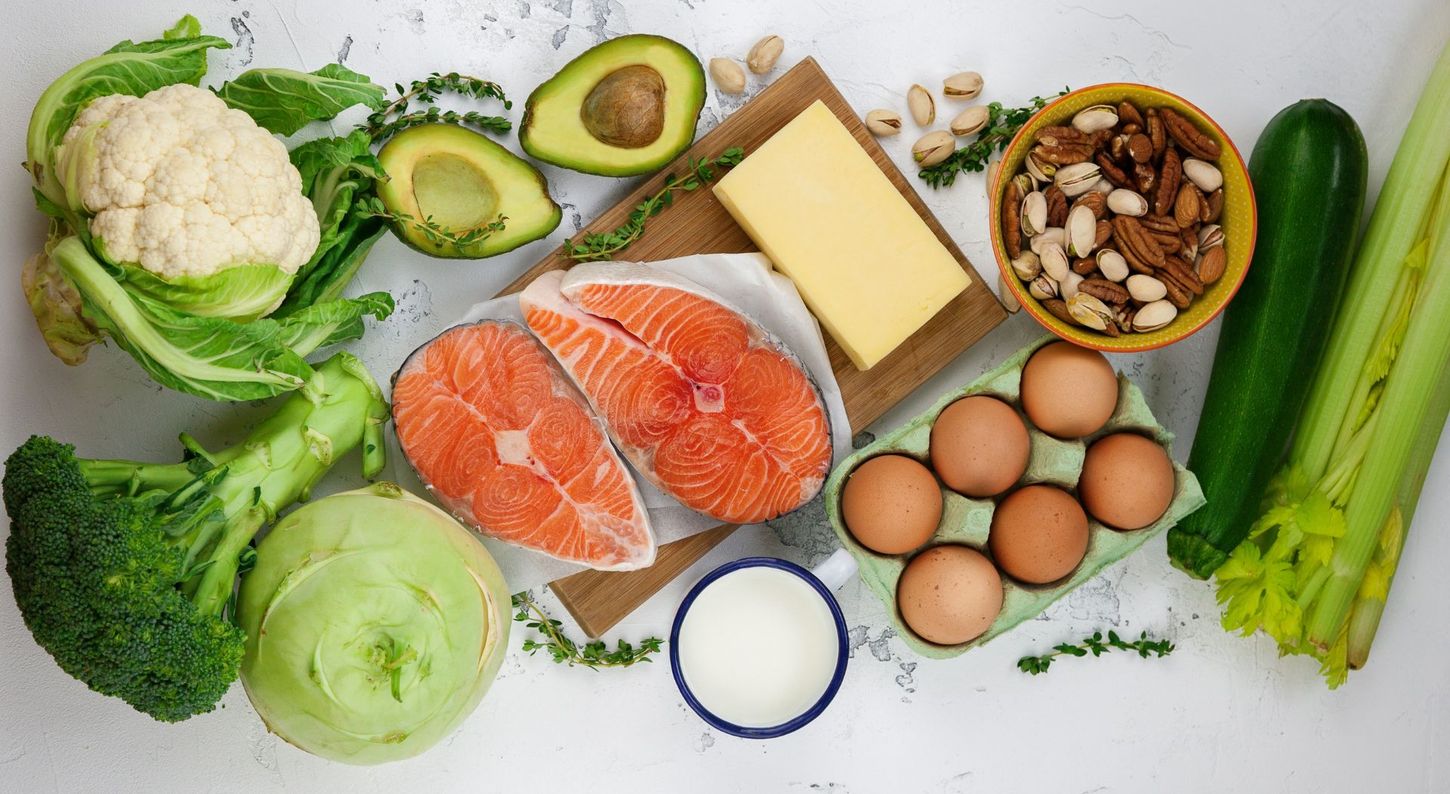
(1221,714)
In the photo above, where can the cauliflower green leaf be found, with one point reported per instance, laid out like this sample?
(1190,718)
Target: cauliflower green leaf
(285,100)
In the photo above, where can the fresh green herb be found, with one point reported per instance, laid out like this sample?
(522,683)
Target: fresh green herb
(1002,124)
(395,117)
(436,233)
(1096,645)
(598,246)
(594,655)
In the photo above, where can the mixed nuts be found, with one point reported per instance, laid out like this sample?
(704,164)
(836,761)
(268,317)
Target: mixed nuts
(1113,221)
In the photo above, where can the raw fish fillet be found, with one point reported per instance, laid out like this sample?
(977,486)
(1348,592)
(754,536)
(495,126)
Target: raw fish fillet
(507,444)
(704,402)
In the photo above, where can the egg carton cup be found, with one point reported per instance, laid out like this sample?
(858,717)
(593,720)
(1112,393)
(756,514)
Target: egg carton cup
(966,521)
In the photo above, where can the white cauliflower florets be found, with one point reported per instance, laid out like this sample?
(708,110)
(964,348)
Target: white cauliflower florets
(183,185)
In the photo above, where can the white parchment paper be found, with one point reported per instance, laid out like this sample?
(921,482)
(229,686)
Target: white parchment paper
(747,282)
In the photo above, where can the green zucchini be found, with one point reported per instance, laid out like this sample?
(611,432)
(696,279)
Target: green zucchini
(1308,170)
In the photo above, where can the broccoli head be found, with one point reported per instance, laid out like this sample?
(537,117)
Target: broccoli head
(124,571)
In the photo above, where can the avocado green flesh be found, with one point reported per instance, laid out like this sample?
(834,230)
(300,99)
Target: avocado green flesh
(462,180)
(558,127)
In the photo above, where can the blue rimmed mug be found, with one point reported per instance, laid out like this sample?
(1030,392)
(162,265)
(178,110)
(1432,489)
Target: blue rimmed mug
(822,581)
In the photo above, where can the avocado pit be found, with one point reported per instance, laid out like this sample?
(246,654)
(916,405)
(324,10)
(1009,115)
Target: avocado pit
(626,108)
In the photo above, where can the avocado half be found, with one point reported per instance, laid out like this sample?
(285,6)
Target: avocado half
(463,181)
(626,106)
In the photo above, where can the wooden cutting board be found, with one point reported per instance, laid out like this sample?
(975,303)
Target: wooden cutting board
(698,224)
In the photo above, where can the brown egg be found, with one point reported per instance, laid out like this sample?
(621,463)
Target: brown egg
(1069,391)
(949,594)
(1127,481)
(891,504)
(1039,534)
(979,446)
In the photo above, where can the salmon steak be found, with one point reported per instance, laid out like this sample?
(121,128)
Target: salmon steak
(707,405)
(506,442)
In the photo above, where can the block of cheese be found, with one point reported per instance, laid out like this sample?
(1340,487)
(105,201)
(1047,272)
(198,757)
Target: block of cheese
(865,262)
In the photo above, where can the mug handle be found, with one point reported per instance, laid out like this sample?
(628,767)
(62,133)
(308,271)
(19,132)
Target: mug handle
(836,570)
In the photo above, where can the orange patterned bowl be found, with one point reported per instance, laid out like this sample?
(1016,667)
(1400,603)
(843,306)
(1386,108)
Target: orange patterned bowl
(1239,219)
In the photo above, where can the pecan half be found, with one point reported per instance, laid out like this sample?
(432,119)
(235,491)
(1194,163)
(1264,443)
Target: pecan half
(1177,295)
(1063,153)
(1187,207)
(1012,220)
(1056,205)
(1190,137)
(1084,266)
(1104,290)
(1176,270)
(1128,114)
(1156,134)
(1159,224)
(1170,243)
(1132,237)
(1145,178)
(1058,136)
(1170,176)
(1094,201)
(1105,232)
(1112,172)
(1058,308)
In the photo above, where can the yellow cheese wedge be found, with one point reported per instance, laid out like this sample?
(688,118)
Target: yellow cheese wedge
(864,261)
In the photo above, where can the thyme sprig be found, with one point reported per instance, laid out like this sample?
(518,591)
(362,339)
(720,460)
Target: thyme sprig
(594,655)
(432,231)
(1002,124)
(1097,645)
(598,246)
(396,117)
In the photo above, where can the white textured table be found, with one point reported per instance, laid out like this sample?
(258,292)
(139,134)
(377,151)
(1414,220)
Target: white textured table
(1221,714)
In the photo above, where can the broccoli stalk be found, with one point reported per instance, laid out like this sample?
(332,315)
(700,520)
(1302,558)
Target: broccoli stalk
(123,571)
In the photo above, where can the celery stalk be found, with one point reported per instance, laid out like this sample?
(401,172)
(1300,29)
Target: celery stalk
(1395,227)
(1408,396)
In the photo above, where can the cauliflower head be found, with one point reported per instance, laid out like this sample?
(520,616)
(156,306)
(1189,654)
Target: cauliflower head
(181,185)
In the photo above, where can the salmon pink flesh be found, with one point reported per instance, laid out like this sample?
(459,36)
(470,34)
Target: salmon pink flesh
(704,402)
(498,433)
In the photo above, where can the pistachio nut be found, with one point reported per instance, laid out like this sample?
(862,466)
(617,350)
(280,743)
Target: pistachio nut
(1112,265)
(1068,286)
(1042,288)
(921,105)
(993,168)
(1204,174)
(883,123)
(1210,235)
(1154,315)
(1005,294)
(728,75)
(1128,202)
(1054,261)
(1024,184)
(1095,118)
(962,85)
(1041,171)
(764,54)
(934,147)
(1082,231)
(1076,179)
(1089,311)
(1145,289)
(1102,186)
(1027,266)
(1052,234)
(971,121)
(1034,210)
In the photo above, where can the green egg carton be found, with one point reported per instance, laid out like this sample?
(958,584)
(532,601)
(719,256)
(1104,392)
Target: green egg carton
(967,521)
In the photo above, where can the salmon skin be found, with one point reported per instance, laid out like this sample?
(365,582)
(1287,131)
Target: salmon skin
(503,439)
(707,405)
